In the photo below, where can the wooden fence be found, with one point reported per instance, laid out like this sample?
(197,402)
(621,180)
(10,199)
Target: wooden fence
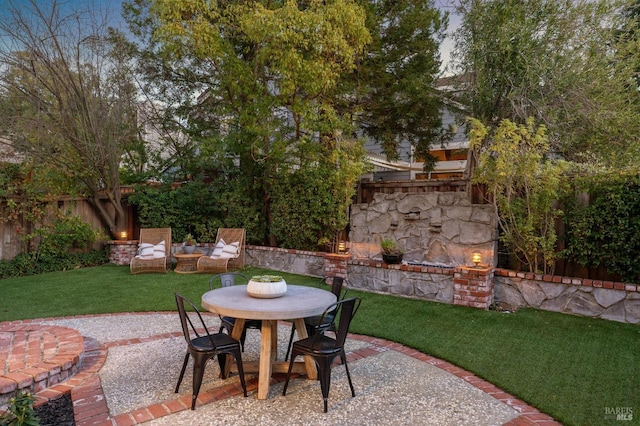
(367,190)
(12,231)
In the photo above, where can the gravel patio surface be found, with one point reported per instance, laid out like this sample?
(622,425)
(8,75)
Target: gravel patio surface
(392,385)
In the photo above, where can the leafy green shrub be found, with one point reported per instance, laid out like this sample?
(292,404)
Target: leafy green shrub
(63,245)
(66,233)
(20,411)
(524,184)
(182,209)
(311,203)
(606,232)
(93,257)
(198,208)
(38,263)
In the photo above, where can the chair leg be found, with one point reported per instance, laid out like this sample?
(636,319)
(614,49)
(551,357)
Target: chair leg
(243,337)
(184,367)
(240,372)
(324,374)
(293,330)
(198,372)
(343,357)
(222,362)
(286,381)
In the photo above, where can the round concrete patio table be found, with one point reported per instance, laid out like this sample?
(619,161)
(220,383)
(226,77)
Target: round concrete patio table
(297,303)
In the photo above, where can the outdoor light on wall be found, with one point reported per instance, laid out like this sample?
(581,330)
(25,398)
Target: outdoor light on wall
(342,247)
(123,235)
(476,258)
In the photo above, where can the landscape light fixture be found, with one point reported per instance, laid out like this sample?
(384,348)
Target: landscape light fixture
(476,258)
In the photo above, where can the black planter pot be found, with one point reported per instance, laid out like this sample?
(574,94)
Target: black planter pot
(392,258)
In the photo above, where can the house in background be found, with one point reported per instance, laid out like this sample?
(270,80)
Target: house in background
(451,152)
(8,153)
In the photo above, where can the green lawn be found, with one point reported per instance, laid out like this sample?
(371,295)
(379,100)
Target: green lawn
(571,368)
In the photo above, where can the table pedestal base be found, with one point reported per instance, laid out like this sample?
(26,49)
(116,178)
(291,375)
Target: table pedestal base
(268,350)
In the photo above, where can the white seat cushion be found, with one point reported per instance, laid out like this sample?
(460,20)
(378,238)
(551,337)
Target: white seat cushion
(226,251)
(151,251)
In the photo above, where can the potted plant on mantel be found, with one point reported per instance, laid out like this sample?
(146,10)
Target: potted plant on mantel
(266,286)
(391,253)
(189,244)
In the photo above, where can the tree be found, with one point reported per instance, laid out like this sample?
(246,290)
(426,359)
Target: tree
(267,77)
(396,95)
(523,185)
(559,62)
(67,96)
(628,38)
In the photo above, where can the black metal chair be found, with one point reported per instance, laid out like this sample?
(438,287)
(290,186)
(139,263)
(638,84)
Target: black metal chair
(229,279)
(315,323)
(324,349)
(203,347)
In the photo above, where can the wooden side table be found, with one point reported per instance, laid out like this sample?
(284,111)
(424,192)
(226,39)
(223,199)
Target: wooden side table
(187,263)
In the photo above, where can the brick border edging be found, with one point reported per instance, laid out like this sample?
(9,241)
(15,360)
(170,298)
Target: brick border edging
(90,406)
(58,350)
(561,279)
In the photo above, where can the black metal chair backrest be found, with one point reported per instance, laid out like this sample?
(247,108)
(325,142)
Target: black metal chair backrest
(228,279)
(344,311)
(188,328)
(336,287)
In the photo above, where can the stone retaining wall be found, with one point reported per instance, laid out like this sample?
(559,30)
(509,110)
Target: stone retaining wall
(476,287)
(593,298)
(420,282)
(599,299)
(295,261)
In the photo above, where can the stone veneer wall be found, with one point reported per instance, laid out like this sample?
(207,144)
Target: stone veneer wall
(465,286)
(420,282)
(593,298)
(295,261)
(439,228)
(600,299)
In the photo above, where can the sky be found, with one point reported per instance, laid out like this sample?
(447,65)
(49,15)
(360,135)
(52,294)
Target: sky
(444,5)
(113,8)
(454,22)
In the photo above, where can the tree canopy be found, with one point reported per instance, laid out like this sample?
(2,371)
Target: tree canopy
(561,62)
(65,97)
(258,84)
(396,95)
